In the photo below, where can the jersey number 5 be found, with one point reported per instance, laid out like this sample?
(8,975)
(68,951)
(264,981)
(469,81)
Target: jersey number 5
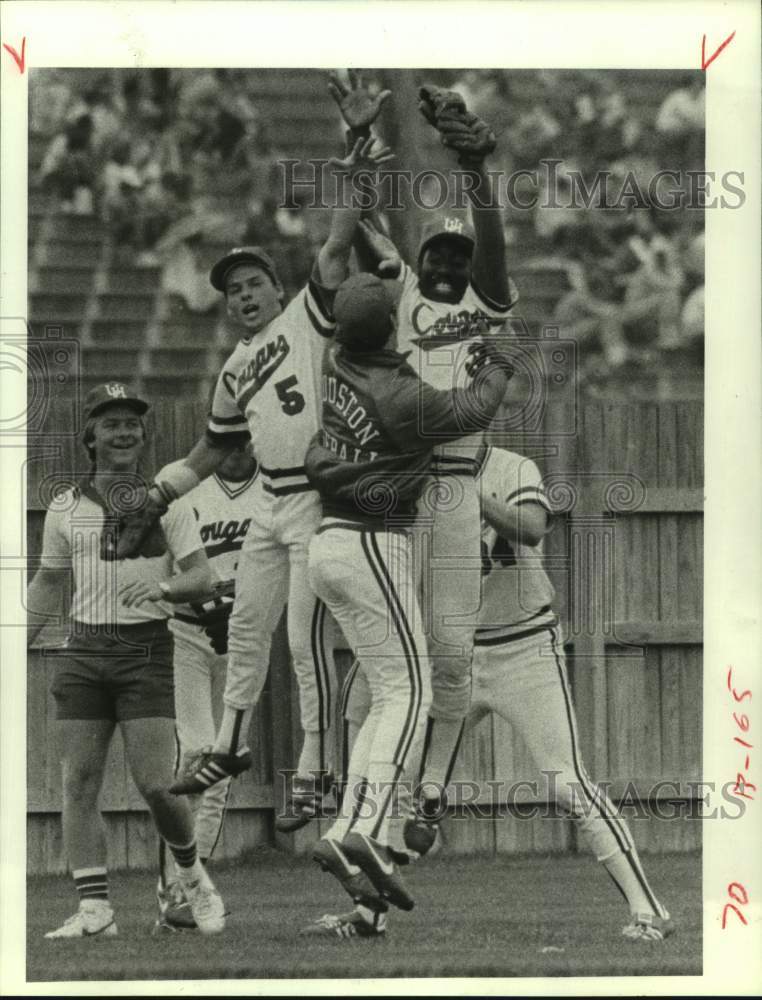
(291,401)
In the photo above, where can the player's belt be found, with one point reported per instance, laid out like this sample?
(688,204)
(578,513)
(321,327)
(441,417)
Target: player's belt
(284,482)
(178,616)
(499,636)
(450,465)
(367,525)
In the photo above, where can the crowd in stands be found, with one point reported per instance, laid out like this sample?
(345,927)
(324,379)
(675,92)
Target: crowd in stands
(174,160)
(636,274)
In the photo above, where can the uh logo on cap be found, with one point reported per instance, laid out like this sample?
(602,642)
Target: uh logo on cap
(452,225)
(116,390)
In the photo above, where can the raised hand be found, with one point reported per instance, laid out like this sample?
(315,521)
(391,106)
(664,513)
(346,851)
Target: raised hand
(382,248)
(363,157)
(358,108)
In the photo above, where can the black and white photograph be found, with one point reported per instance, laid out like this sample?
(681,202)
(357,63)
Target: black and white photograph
(387,607)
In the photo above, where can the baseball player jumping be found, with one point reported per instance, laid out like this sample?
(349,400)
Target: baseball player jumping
(370,462)
(268,391)
(461,285)
(519,672)
(222,505)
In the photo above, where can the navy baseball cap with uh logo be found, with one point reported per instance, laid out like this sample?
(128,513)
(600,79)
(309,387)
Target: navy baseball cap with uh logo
(451,225)
(110,393)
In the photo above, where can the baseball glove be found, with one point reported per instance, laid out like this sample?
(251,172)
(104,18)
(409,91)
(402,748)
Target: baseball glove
(136,532)
(470,136)
(214,614)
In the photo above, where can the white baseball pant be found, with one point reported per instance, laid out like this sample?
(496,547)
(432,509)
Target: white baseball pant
(272,572)
(366,578)
(195,667)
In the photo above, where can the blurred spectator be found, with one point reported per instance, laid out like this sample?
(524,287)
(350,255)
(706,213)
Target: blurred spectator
(680,124)
(68,167)
(652,299)
(50,97)
(186,274)
(590,313)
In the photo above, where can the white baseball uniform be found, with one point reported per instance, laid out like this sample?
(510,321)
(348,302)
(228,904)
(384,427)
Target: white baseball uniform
(270,387)
(438,336)
(519,672)
(223,513)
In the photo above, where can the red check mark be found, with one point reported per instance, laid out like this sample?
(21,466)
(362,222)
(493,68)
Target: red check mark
(20,59)
(708,62)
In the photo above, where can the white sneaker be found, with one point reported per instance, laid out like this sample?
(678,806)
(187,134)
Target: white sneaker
(94,918)
(206,905)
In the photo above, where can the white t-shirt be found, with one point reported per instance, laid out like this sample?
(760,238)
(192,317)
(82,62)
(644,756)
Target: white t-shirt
(71,540)
(516,592)
(270,386)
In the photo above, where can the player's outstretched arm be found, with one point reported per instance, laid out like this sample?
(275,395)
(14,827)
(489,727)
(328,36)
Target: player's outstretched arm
(472,140)
(423,416)
(376,251)
(365,157)
(358,107)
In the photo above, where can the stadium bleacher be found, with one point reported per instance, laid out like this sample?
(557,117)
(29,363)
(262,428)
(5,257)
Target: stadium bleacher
(128,327)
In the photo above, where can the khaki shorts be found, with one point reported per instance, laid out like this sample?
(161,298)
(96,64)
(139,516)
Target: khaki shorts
(116,675)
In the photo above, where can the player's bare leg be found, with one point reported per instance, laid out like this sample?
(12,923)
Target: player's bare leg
(84,748)
(149,746)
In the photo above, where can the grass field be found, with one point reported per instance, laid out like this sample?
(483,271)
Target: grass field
(474,917)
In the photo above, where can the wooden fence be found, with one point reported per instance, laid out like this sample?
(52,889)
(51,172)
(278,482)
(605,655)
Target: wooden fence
(626,559)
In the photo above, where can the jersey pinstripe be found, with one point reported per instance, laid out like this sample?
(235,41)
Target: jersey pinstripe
(270,387)
(516,592)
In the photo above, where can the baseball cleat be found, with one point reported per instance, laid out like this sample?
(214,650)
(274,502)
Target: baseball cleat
(420,831)
(306,802)
(375,859)
(329,855)
(175,912)
(649,927)
(94,918)
(346,925)
(206,905)
(211,768)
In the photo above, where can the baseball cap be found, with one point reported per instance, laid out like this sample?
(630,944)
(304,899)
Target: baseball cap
(242,255)
(110,393)
(362,309)
(451,226)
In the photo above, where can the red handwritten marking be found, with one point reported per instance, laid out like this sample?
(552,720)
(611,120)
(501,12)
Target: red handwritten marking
(737,739)
(20,60)
(737,892)
(733,889)
(736,695)
(705,63)
(742,722)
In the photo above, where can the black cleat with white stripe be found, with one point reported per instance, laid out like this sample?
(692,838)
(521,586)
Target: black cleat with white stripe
(210,769)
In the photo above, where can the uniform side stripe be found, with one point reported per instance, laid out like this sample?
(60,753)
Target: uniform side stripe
(388,800)
(380,571)
(620,835)
(411,655)
(346,687)
(322,680)
(223,814)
